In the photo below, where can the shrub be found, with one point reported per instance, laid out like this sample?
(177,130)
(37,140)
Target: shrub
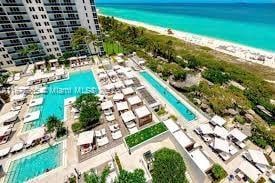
(137,176)
(216,76)
(76,127)
(168,167)
(218,173)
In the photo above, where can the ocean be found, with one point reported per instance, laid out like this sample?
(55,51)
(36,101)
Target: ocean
(247,24)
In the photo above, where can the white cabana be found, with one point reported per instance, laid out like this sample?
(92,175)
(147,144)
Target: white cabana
(5,130)
(134,100)
(18,98)
(31,116)
(5,151)
(110,118)
(205,129)
(142,112)
(128,116)
(36,102)
(60,72)
(257,157)
(106,105)
(119,84)
(236,133)
(118,97)
(183,139)
(171,125)
(129,75)
(85,138)
(127,91)
(122,106)
(35,134)
(109,87)
(220,132)
(17,147)
(250,171)
(221,145)
(128,82)
(217,120)
(201,160)
(8,117)
(111,73)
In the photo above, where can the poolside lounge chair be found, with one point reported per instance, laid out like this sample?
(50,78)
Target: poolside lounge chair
(4,152)
(116,135)
(17,147)
(102,141)
(133,130)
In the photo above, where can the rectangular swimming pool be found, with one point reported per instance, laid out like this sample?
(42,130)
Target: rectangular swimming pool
(33,165)
(164,92)
(78,83)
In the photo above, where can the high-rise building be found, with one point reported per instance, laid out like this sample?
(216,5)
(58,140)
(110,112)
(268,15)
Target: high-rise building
(49,24)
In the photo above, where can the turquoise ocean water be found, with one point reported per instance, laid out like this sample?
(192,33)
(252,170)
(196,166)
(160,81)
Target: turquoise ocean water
(248,24)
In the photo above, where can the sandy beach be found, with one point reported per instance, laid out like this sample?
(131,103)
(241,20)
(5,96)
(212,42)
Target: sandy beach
(243,53)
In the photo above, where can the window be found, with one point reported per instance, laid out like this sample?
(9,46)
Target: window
(44,16)
(56,49)
(43,37)
(85,8)
(31,8)
(46,23)
(46,44)
(34,16)
(49,50)
(38,24)
(41,31)
(40,8)
(51,36)
(29,1)
(49,30)
(54,43)
(37,1)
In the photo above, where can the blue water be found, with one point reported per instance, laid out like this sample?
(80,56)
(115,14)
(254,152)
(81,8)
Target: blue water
(35,164)
(78,83)
(181,108)
(248,24)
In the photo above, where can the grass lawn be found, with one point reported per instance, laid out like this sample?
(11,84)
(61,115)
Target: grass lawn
(145,134)
(112,48)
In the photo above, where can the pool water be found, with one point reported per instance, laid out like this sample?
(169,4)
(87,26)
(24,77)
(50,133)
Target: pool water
(35,164)
(53,104)
(181,108)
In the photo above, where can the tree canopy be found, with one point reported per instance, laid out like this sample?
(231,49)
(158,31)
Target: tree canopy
(168,167)
(137,176)
(92,177)
(218,173)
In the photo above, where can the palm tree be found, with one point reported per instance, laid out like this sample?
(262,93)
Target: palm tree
(92,177)
(82,35)
(30,49)
(52,123)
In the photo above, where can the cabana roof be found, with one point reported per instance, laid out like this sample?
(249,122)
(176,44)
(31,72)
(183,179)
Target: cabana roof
(128,82)
(118,96)
(221,144)
(128,116)
(5,130)
(40,63)
(257,157)
(236,133)
(142,111)
(85,138)
(171,125)
(182,139)
(133,100)
(19,97)
(128,91)
(4,152)
(119,84)
(72,58)
(206,129)
(53,60)
(121,106)
(217,120)
(201,160)
(35,134)
(221,132)
(106,105)
(250,171)
(8,117)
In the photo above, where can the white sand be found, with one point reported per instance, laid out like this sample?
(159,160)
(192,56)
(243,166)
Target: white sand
(244,53)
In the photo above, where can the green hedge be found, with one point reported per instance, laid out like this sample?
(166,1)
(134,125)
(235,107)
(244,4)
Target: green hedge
(145,134)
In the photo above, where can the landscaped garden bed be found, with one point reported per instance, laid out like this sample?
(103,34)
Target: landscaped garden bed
(145,134)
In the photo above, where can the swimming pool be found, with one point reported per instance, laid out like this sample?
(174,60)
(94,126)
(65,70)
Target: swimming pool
(33,165)
(78,83)
(164,92)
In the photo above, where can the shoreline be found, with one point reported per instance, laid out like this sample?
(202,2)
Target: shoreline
(242,52)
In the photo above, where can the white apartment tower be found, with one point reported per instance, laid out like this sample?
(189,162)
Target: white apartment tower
(47,23)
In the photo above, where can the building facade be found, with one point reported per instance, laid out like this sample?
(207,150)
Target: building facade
(49,24)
